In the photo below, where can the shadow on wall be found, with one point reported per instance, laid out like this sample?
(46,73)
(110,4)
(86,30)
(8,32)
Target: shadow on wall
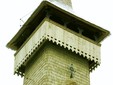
(69,82)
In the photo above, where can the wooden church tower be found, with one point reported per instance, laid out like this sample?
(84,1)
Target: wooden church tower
(56,47)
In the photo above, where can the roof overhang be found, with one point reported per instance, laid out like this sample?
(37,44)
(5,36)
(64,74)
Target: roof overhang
(41,12)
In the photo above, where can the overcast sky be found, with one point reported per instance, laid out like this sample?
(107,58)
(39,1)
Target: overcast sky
(99,12)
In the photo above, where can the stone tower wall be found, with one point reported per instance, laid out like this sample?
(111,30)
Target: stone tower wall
(50,66)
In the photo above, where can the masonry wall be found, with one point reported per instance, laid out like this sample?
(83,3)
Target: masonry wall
(50,66)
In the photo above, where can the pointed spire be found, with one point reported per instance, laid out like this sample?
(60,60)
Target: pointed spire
(63,2)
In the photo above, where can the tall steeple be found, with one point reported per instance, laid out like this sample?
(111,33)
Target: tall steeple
(63,2)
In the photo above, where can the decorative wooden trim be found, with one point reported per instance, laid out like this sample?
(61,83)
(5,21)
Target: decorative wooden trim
(63,38)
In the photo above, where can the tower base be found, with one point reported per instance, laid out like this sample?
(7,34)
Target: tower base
(51,64)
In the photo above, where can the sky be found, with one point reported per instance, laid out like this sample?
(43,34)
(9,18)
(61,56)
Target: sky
(99,12)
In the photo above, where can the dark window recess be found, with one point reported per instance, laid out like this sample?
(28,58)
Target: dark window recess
(57,19)
(89,34)
(73,27)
